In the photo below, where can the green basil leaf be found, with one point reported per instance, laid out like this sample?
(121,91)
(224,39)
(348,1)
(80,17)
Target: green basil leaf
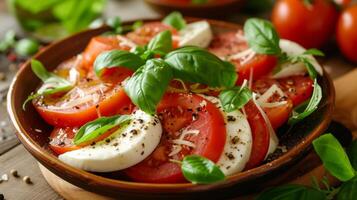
(348,190)
(194,64)
(235,98)
(334,157)
(200,170)
(314,52)
(137,24)
(147,86)
(161,44)
(292,192)
(52,83)
(310,108)
(114,22)
(175,20)
(117,58)
(98,127)
(352,154)
(262,37)
(26,47)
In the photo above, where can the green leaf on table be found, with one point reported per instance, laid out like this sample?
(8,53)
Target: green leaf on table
(175,20)
(315,99)
(161,44)
(52,83)
(348,190)
(352,154)
(262,37)
(197,65)
(200,170)
(292,192)
(117,58)
(27,47)
(235,98)
(148,84)
(334,157)
(92,130)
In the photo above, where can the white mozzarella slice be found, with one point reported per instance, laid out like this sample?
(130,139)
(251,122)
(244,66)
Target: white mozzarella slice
(196,34)
(126,147)
(289,69)
(238,144)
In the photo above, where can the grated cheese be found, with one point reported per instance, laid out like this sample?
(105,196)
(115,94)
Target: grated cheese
(178,143)
(244,56)
(269,93)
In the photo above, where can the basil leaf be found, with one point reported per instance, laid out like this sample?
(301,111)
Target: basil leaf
(115,23)
(334,157)
(117,58)
(147,86)
(348,190)
(52,83)
(194,64)
(161,44)
(352,154)
(262,37)
(26,47)
(98,127)
(310,108)
(235,98)
(314,52)
(175,20)
(292,192)
(200,170)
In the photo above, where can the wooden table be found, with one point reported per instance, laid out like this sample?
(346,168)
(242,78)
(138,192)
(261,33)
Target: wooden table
(14,156)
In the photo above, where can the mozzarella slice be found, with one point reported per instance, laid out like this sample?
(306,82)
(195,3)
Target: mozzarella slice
(238,144)
(123,149)
(289,69)
(196,34)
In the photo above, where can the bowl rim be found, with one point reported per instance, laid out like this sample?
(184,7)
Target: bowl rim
(76,176)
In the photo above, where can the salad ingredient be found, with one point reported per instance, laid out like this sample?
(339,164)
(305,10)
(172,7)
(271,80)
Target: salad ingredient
(235,98)
(116,58)
(61,140)
(200,170)
(348,190)
(297,20)
(161,44)
(293,192)
(148,84)
(26,47)
(196,34)
(124,148)
(197,65)
(346,33)
(192,126)
(175,20)
(334,157)
(297,88)
(352,154)
(301,111)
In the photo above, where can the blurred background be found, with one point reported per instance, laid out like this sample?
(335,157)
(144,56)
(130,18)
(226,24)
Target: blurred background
(26,26)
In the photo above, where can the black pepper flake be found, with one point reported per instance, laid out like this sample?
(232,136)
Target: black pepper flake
(228,167)
(199,109)
(230,118)
(93,143)
(97,106)
(124,134)
(143,145)
(146,127)
(229,156)
(107,140)
(140,121)
(134,132)
(115,144)
(142,153)
(235,140)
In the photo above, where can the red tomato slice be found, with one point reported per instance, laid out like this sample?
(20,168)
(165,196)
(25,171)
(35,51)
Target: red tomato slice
(297,88)
(179,111)
(100,44)
(227,44)
(260,135)
(144,34)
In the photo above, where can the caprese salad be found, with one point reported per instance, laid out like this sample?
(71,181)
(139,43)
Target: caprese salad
(171,101)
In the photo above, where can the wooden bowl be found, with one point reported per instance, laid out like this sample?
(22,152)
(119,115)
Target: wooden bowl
(297,139)
(212,10)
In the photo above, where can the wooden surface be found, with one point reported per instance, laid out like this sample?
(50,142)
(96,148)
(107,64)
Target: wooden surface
(14,156)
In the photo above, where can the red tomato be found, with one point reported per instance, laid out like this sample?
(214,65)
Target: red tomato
(179,111)
(100,44)
(260,135)
(230,43)
(144,34)
(297,88)
(347,33)
(309,25)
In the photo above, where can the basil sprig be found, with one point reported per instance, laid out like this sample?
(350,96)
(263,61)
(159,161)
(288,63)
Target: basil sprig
(235,98)
(299,114)
(52,83)
(118,27)
(161,44)
(263,39)
(334,157)
(348,190)
(194,64)
(147,86)
(175,20)
(292,192)
(200,170)
(117,58)
(98,127)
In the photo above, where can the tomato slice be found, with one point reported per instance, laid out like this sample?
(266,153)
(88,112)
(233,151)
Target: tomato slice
(297,88)
(179,111)
(260,135)
(229,43)
(100,44)
(144,34)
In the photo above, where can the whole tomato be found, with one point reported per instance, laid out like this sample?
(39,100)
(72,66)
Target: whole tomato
(347,33)
(310,25)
